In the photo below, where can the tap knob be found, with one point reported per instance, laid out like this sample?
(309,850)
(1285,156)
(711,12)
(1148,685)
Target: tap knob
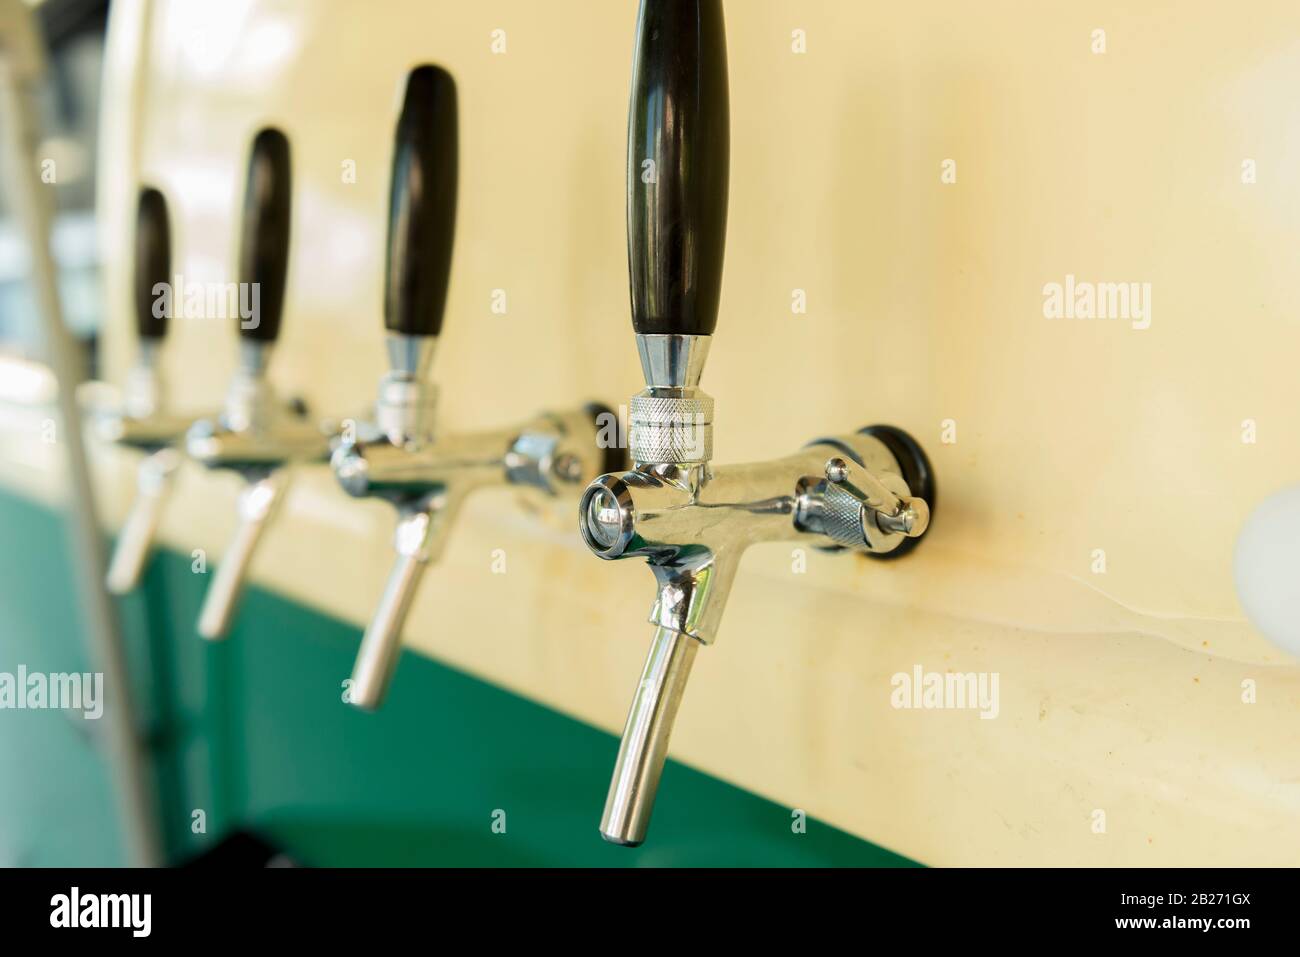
(422,205)
(678,156)
(152,265)
(264,233)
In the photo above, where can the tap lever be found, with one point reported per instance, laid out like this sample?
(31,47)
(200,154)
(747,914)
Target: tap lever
(257,502)
(415,542)
(152,265)
(142,395)
(417,267)
(132,548)
(422,205)
(678,158)
(860,491)
(264,233)
(917,490)
(644,746)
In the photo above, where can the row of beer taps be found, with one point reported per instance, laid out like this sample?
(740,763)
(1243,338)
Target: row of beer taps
(868,491)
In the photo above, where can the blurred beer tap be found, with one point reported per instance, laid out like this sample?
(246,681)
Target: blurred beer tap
(868,491)
(399,457)
(142,420)
(257,434)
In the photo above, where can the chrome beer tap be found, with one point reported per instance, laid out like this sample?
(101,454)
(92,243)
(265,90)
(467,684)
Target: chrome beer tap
(867,491)
(141,421)
(399,457)
(257,434)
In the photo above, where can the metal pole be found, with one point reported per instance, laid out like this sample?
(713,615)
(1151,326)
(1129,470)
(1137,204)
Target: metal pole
(127,755)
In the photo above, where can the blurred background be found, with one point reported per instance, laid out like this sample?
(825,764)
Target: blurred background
(74,31)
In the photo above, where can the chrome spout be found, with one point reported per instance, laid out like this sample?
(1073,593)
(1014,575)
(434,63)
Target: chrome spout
(134,541)
(416,541)
(257,503)
(644,747)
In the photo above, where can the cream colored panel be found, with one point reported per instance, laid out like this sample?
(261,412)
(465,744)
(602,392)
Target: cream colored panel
(1119,691)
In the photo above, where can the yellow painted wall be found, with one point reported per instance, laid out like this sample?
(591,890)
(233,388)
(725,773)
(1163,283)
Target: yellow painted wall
(1119,691)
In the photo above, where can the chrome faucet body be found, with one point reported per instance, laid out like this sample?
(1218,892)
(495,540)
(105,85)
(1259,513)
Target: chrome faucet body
(427,478)
(142,423)
(260,437)
(257,431)
(692,523)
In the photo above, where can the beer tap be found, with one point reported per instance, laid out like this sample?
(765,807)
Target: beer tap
(141,421)
(868,491)
(257,434)
(400,457)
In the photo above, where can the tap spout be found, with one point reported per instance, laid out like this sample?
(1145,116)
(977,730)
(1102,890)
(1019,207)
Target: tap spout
(644,747)
(133,542)
(418,539)
(257,503)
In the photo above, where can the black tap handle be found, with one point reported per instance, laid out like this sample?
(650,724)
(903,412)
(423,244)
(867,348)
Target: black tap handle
(264,234)
(422,205)
(678,141)
(153,264)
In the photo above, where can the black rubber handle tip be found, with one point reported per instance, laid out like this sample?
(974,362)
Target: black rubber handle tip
(264,236)
(678,157)
(422,205)
(153,265)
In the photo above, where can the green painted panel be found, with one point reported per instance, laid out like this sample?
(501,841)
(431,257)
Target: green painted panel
(56,806)
(254,733)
